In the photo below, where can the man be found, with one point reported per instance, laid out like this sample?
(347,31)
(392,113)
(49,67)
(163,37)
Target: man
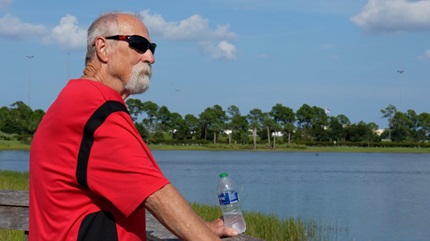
(91,174)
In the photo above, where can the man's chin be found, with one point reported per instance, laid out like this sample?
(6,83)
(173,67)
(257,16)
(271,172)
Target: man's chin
(138,91)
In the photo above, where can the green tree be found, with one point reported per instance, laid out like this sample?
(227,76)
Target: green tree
(335,129)
(179,127)
(305,117)
(345,122)
(238,124)
(150,122)
(35,120)
(319,124)
(424,126)
(4,113)
(401,127)
(164,120)
(213,119)
(389,113)
(284,117)
(192,124)
(362,132)
(17,120)
(135,108)
(233,113)
(414,125)
(241,127)
(268,124)
(255,119)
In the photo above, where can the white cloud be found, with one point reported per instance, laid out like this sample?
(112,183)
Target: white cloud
(222,50)
(195,28)
(394,16)
(426,55)
(68,34)
(5,3)
(13,27)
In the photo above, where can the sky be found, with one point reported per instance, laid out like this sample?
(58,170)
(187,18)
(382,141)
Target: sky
(344,55)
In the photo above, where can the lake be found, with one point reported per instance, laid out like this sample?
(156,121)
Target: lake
(376,196)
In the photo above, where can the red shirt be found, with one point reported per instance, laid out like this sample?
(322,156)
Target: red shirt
(120,173)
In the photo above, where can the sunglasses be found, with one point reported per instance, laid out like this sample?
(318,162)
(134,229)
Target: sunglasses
(135,41)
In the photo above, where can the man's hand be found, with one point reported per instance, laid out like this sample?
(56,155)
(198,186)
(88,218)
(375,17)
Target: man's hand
(217,226)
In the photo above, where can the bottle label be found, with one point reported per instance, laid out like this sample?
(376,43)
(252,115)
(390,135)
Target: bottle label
(226,198)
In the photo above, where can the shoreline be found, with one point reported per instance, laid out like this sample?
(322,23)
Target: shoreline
(16,146)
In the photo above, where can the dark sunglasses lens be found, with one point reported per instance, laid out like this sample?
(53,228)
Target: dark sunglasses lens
(142,44)
(152,47)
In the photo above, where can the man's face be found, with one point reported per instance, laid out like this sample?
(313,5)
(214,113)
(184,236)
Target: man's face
(131,56)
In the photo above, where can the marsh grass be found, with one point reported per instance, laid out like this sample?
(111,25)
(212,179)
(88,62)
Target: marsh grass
(14,180)
(273,228)
(11,235)
(13,145)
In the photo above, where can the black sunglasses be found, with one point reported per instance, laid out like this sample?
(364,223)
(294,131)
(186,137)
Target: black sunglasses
(135,41)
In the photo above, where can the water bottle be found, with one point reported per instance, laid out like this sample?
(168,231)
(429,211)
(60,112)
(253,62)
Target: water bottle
(230,203)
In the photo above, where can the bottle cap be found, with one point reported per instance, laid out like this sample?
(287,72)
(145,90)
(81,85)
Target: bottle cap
(224,174)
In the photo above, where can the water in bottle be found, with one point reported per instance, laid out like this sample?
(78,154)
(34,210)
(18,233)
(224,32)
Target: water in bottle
(230,203)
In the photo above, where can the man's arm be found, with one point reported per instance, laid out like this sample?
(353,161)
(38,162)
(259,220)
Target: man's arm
(173,211)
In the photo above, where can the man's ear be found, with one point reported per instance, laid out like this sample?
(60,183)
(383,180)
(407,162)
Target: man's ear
(101,47)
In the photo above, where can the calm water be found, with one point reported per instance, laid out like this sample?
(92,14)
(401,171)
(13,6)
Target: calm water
(378,196)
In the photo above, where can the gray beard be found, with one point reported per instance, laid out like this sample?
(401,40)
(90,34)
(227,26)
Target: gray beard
(140,79)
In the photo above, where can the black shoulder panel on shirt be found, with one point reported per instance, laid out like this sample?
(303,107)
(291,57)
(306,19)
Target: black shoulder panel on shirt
(98,226)
(96,120)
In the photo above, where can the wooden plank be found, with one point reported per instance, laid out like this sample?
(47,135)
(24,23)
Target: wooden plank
(14,218)
(14,210)
(14,198)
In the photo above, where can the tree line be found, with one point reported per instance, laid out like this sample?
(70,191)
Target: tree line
(280,125)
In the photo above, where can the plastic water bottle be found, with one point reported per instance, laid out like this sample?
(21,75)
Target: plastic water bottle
(230,203)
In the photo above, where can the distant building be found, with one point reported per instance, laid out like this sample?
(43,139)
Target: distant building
(278,133)
(379,131)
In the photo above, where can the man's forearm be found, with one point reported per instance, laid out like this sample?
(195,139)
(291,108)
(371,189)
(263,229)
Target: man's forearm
(173,211)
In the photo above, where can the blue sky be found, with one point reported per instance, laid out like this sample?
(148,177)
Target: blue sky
(340,54)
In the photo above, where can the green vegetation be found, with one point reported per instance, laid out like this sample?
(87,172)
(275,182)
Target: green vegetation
(267,227)
(215,128)
(291,148)
(12,180)
(17,145)
(272,228)
(13,145)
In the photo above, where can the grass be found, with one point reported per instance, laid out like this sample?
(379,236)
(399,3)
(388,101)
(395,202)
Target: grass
(12,180)
(273,228)
(13,145)
(266,227)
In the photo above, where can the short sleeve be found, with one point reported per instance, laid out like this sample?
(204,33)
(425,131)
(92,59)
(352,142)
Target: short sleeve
(121,167)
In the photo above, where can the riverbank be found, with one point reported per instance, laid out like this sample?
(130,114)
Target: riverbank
(292,148)
(16,145)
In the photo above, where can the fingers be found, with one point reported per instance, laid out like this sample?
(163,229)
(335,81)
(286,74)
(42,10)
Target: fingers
(217,226)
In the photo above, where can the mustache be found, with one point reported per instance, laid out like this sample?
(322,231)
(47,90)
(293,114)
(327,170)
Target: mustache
(144,69)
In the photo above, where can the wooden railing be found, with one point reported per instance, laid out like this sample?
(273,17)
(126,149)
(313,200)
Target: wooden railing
(14,216)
